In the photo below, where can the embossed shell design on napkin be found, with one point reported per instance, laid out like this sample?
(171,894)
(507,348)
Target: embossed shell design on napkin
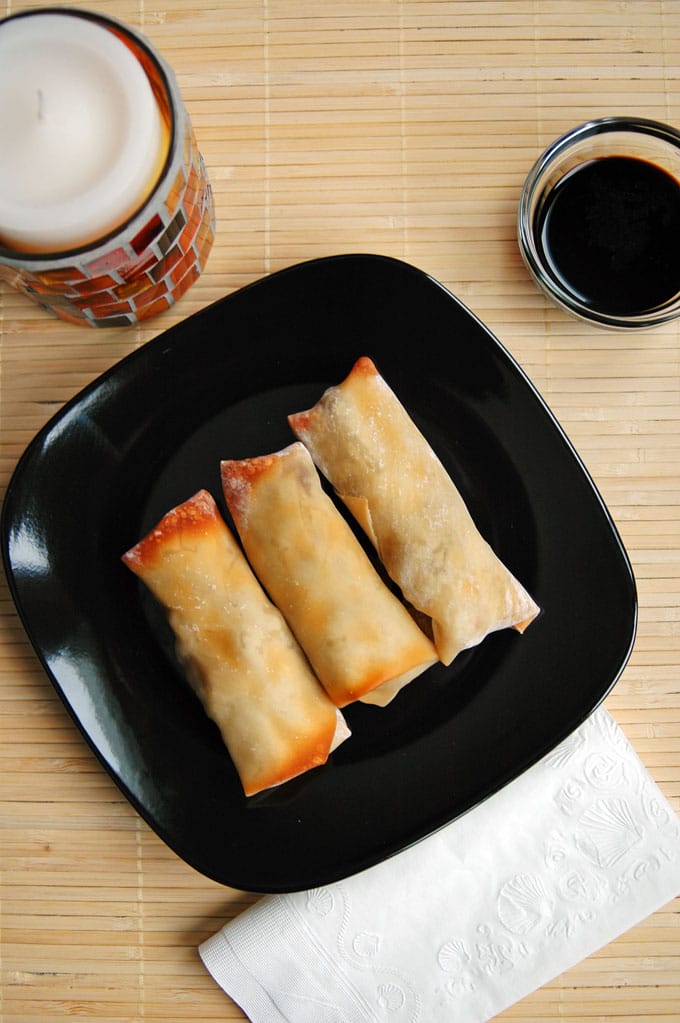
(610,831)
(522,903)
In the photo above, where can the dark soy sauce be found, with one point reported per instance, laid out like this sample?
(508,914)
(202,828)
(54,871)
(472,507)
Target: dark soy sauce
(610,232)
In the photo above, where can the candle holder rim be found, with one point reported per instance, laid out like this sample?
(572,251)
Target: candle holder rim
(12,255)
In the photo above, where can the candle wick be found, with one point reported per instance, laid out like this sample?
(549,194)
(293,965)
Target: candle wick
(41,105)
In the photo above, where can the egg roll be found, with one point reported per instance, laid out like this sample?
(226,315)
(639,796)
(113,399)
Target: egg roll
(239,654)
(366,444)
(360,639)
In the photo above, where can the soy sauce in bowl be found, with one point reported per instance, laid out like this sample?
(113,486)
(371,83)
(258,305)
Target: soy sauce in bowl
(610,233)
(598,222)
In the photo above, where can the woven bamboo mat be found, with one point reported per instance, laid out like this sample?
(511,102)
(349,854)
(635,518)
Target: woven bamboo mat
(402,128)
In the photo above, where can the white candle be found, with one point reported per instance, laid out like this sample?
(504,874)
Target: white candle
(82,140)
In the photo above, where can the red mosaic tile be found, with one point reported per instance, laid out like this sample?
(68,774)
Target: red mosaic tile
(131,271)
(150,294)
(106,262)
(143,239)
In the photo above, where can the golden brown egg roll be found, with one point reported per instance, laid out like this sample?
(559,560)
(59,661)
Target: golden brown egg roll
(239,654)
(358,636)
(365,443)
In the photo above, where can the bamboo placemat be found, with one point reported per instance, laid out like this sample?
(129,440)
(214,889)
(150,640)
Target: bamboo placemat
(402,128)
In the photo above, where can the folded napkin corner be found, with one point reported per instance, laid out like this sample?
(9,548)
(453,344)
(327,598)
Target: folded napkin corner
(556,865)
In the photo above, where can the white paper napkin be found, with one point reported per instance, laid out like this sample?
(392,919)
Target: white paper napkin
(570,855)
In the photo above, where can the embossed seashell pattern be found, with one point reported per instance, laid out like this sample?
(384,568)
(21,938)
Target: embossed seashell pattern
(522,903)
(610,831)
(452,956)
(320,901)
(391,997)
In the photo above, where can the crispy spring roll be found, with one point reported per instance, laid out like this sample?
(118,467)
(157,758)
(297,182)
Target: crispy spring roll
(240,656)
(359,637)
(365,443)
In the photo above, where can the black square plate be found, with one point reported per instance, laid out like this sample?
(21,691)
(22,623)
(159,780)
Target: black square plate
(153,429)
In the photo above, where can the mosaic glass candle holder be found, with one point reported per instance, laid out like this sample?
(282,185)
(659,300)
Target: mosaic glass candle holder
(146,264)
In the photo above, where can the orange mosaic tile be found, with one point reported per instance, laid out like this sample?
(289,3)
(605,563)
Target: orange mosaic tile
(150,294)
(107,308)
(194,185)
(203,247)
(189,233)
(166,264)
(46,290)
(67,275)
(176,192)
(178,272)
(159,306)
(187,281)
(132,288)
(72,317)
(94,285)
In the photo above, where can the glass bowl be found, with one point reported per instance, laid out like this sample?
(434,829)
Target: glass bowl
(601,238)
